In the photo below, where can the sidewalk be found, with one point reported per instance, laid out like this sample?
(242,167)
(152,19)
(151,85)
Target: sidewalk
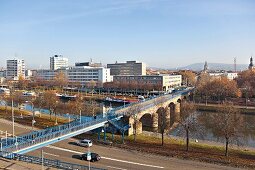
(17,165)
(218,105)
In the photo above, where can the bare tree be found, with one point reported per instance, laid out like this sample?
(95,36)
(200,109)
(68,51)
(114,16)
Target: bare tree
(50,101)
(76,106)
(247,91)
(22,83)
(60,80)
(187,119)
(40,101)
(226,124)
(188,77)
(133,112)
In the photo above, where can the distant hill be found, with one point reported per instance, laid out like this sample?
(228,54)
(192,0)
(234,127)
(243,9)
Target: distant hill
(214,66)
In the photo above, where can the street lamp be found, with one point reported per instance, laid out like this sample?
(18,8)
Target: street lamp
(13,128)
(69,120)
(56,118)
(124,101)
(80,116)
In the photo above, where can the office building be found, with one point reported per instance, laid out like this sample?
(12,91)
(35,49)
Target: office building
(46,74)
(163,82)
(86,74)
(128,68)
(88,64)
(79,74)
(15,69)
(58,62)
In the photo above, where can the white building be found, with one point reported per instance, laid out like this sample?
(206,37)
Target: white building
(164,81)
(85,74)
(15,69)
(232,76)
(229,75)
(57,62)
(174,80)
(80,74)
(28,73)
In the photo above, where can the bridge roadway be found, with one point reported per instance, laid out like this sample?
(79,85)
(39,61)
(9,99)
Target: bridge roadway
(148,103)
(37,139)
(114,158)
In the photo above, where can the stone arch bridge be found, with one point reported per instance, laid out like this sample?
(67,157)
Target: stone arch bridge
(149,114)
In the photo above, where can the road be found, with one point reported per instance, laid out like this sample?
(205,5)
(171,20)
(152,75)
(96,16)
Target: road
(115,158)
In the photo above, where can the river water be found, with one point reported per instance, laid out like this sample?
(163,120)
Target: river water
(204,132)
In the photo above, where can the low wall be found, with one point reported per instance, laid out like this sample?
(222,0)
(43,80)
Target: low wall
(216,107)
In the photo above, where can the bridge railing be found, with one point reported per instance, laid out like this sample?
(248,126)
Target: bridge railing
(46,162)
(40,136)
(148,103)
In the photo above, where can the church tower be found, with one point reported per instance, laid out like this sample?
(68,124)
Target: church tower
(205,67)
(251,66)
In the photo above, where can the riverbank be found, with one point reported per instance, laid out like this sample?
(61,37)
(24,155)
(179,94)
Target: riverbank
(25,117)
(216,107)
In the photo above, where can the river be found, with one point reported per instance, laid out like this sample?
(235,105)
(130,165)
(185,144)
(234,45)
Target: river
(204,132)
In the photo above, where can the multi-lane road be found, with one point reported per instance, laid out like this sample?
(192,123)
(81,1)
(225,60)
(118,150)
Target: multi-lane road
(113,158)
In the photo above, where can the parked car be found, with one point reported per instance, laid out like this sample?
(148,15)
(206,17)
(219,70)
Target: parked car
(84,142)
(94,157)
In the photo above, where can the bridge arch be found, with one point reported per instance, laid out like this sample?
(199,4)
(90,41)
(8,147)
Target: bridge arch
(146,121)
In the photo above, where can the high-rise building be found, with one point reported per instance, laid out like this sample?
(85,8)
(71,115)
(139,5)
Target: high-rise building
(57,62)
(128,68)
(15,69)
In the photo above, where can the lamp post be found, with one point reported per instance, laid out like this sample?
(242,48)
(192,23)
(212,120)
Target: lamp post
(124,101)
(56,118)
(69,120)
(80,116)
(13,128)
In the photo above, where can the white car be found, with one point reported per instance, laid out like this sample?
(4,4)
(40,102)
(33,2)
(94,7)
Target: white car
(84,142)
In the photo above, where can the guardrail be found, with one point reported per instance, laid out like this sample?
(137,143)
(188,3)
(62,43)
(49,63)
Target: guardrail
(46,162)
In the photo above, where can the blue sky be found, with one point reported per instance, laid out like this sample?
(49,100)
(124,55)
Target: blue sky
(161,33)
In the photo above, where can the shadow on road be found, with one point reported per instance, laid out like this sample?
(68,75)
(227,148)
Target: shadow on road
(72,143)
(76,157)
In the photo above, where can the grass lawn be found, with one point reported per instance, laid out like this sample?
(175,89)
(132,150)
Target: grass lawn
(42,121)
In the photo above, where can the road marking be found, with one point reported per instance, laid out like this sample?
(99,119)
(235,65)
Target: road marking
(112,159)
(63,149)
(115,167)
(135,163)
